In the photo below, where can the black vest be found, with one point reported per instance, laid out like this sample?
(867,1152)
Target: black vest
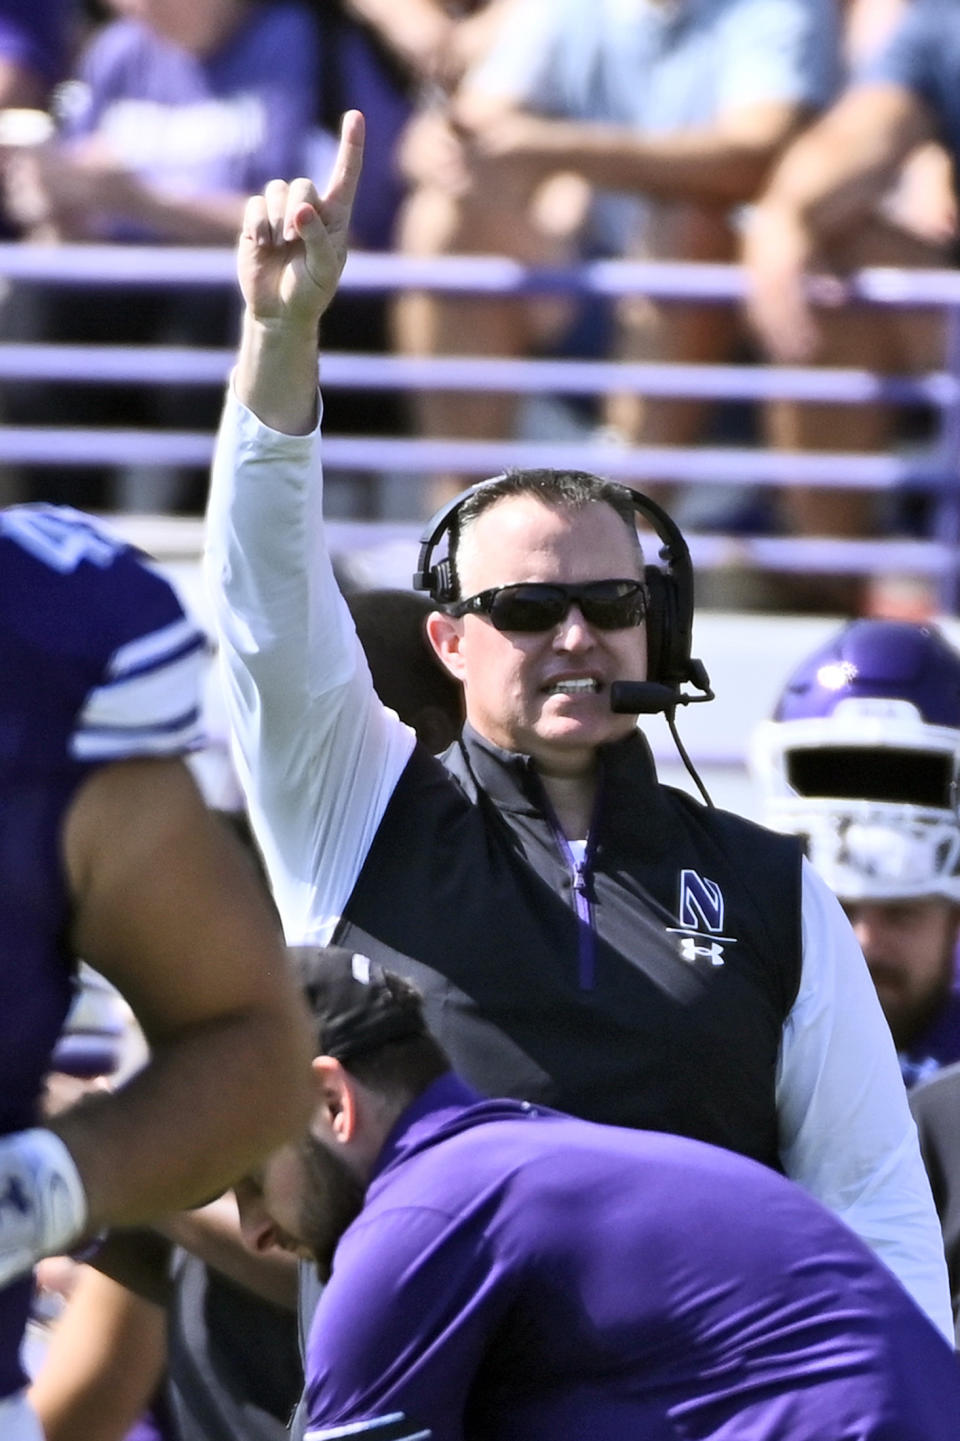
(650,990)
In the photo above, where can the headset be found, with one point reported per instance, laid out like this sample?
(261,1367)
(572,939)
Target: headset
(669,612)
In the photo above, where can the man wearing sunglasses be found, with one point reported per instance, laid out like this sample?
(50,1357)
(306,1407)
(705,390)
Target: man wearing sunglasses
(583,936)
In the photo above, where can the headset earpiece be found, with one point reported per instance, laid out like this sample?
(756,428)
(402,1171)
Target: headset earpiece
(436,577)
(658,623)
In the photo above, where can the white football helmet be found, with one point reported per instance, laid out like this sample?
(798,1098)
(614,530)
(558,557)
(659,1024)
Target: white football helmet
(861,758)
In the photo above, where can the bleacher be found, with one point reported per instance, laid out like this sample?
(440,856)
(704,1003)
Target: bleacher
(748,656)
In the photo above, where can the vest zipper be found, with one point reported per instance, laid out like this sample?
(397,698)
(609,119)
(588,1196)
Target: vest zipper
(585,947)
(582,905)
(580,872)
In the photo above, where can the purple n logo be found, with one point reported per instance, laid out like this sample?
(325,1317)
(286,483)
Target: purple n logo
(701,903)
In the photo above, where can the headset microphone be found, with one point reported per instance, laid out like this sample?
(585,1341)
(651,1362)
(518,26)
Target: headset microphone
(642,697)
(649,697)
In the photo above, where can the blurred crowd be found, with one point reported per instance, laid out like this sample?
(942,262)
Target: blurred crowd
(551,131)
(454,783)
(800,137)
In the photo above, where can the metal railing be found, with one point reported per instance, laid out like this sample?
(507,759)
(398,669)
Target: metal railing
(935,470)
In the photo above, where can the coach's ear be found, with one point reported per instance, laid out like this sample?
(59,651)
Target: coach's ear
(336,1098)
(445,634)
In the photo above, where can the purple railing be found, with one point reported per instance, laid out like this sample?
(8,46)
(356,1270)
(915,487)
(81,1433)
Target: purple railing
(936,470)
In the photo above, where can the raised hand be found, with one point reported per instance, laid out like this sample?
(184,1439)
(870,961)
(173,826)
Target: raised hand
(291,252)
(293,244)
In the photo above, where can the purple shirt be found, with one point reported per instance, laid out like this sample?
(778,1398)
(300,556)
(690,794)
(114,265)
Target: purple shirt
(36,33)
(938,1046)
(520,1275)
(153,1425)
(97,663)
(221,123)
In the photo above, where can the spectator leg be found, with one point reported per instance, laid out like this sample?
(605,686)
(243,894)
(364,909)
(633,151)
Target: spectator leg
(485,221)
(884,340)
(673,331)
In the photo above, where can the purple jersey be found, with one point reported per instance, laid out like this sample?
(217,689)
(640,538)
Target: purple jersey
(153,1425)
(520,1275)
(939,1044)
(36,34)
(98,662)
(224,122)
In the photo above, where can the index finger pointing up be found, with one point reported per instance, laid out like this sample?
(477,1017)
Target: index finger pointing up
(342,187)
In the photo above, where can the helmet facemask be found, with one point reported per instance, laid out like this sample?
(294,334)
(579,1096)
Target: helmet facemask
(860,762)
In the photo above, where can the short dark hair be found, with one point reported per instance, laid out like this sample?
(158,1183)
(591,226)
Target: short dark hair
(370,1019)
(573,489)
(401,1068)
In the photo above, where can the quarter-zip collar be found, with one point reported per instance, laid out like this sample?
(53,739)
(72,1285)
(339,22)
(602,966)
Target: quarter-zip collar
(512,782)
(625,769)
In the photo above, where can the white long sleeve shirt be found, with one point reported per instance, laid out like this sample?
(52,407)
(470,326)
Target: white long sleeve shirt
(319,757)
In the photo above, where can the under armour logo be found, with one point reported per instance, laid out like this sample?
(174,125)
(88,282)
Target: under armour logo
(691,949)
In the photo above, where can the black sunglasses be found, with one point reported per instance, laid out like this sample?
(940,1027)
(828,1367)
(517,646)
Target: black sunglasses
(534,606)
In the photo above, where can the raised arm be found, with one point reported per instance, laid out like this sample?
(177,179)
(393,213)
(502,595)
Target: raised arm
(317,754)
(292,249)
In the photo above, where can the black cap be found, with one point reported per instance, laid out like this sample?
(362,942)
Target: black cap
(357,1005)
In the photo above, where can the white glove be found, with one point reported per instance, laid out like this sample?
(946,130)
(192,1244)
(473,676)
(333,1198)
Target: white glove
(43,1206)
